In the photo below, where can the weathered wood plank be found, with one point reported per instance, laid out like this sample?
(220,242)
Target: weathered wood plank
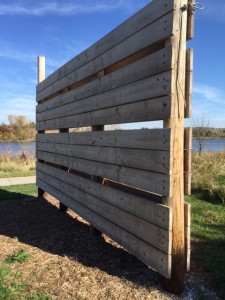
(187,160)
(151,87)
(150,181)
(145,252)
(151,160)
(154,64)
(190,20)
(152,139)
(141,19)
(150,233)
(152,212)
(159,30)
(176,283)
(188,83)
(187,232)
(147,110)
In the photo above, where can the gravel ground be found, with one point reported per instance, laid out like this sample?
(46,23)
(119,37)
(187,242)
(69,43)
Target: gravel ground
(69,263)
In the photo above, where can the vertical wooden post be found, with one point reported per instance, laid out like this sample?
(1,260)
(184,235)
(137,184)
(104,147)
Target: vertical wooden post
(187,160)
(63,207)
(176,283)
(41,77)
(41,68)
(93,230)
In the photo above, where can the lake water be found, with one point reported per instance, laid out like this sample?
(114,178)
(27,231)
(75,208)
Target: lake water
(19,147)
(213,145)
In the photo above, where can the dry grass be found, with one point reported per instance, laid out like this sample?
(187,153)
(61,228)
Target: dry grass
(66,262)
(14,165)
(209,175)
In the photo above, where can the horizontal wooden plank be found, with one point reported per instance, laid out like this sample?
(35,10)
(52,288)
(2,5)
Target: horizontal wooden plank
(147,110)
(152,139)
(141,19)
(151,87)
(156,63)
(148,232)
(145,252)
(188,83)
(162,29)
(143,208)
(150,181)
(151,160)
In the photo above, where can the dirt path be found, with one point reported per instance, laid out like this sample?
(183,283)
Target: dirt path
(69,263)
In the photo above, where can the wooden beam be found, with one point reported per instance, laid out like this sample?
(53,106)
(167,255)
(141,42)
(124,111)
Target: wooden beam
(190,20)
(187,160)
(176,283)
(40,78)
(137,205)
(187,223)
(188,83)
(148,15)
(148,254)
(41,68)
(148,139)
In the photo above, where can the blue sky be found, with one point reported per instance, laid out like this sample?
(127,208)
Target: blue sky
(60,30)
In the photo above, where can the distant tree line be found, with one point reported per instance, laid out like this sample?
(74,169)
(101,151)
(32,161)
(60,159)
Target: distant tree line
(19,129)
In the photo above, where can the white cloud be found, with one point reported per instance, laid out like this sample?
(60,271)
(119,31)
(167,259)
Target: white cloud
(209,92)
(65,9)
(209,101)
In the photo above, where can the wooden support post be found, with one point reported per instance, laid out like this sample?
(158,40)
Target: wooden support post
(187,234)
(175,284)
(190,20)
(188,83)
(63,207)
(41,77)
(187,160)
(41,68)
(93,230)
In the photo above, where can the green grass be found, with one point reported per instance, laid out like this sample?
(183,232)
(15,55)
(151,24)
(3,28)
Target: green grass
(208,239)
(208,175)
(17,192)
(12,285)
(18,165)
(19,256)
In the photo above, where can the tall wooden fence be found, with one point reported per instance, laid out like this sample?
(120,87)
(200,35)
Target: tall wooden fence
(129,184)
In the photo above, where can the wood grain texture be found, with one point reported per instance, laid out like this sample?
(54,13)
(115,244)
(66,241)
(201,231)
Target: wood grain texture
(148,232)
(150,160)
(146,110)
(152,139)
(155,86)
(143,208)
(150,181)
(143,18)
(176,283)
(188,83)
(190,20)
(187,232)
(156,63)
(145,252)
(187,160)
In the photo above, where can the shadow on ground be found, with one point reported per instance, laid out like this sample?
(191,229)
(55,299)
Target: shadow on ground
(38,223)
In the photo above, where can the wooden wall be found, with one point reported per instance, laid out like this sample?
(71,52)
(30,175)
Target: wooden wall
(117,180)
